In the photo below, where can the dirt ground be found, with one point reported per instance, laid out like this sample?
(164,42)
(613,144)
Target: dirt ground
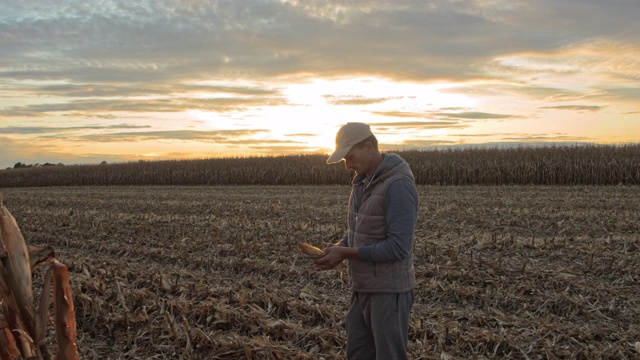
(214,272)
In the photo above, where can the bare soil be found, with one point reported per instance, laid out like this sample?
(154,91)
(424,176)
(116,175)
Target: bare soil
(200,272)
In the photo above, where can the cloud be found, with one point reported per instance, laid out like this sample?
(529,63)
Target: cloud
(529,90)
(29,130)
(525,139)
(417,125)
(577,70)
(354,100)
(547,138)
(266,150)
(219,136)
(465,115)
(302,135)
(471,115)
(13,150)
(401,114)
(631,93)
(574,107)
(74,61)
(417,143)
(29,152)
(269,142)
(161,42)
(127,90)
(224,104)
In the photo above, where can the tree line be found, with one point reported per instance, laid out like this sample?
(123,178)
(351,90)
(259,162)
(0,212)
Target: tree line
(20,165)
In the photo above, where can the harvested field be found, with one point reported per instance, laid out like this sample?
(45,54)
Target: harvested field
(525,272)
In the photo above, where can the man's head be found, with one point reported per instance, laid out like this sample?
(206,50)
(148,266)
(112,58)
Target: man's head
(358,147)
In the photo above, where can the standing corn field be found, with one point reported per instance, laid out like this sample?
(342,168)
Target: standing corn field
(552,165)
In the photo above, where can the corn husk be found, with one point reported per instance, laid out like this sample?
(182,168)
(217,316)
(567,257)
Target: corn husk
(310,250)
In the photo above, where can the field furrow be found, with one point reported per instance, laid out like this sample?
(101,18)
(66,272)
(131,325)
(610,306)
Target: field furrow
(201,272)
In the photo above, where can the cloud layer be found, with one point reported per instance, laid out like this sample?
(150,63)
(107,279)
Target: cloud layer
(194,75)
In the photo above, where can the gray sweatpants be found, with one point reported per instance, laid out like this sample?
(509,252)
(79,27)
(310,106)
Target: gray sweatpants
(378,326)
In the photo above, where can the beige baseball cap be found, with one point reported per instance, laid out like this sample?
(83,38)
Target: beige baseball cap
(348,135)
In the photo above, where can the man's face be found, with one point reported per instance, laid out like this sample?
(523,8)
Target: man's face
(359,159)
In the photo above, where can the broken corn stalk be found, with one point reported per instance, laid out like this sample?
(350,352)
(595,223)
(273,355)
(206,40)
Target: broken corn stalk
(65,318)
(311,251)
(21,334)
(17,279)
(8,346)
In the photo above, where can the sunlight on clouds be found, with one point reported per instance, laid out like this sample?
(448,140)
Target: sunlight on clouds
(215,120)
(328,10)
(435,132)
(150,155)
(316,109)
(396,96)
(313,125)
(313,115)
(577,66)
(535,64)
(212,119)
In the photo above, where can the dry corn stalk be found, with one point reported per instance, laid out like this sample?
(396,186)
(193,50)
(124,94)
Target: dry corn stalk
(21,334)
(65,318)
(17,287)
(8,347)
(311,251)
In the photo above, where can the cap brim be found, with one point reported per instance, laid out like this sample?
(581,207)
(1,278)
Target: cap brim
(338,155)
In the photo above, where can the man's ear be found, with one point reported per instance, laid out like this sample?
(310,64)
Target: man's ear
(369,146)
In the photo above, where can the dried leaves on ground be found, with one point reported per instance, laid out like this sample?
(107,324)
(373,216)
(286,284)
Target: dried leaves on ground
(216,273)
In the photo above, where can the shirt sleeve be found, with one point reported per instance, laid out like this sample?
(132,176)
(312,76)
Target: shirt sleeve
(345,240)
(401,212)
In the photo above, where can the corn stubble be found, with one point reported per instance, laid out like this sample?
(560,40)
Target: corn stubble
(217,273)
(22,331)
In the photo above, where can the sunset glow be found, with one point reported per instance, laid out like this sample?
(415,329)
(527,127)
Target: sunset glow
(198,79)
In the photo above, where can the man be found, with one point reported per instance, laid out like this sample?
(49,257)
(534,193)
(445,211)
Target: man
(378,245)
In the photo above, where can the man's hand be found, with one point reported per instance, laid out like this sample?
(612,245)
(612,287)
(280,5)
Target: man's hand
(334,256)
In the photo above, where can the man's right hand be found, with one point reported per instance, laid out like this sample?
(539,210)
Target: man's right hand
(334,256)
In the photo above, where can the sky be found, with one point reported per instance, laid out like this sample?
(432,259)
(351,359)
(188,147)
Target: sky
(83,82)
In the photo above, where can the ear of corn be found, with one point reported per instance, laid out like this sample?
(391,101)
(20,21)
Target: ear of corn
(311,251)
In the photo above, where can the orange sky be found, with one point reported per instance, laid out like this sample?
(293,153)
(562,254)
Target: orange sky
(83,82)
